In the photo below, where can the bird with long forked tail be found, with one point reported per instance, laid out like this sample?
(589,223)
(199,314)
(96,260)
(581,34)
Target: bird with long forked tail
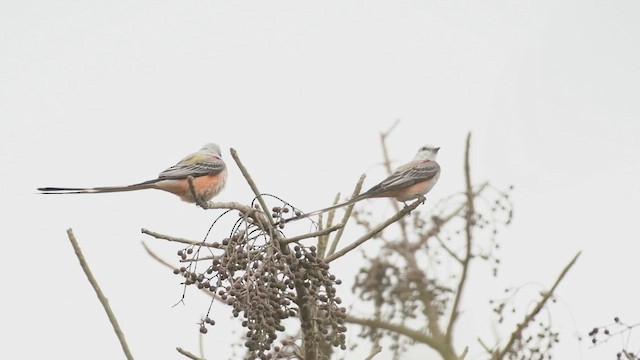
(206,167)
(409,181)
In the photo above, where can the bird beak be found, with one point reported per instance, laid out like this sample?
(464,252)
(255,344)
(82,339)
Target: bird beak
(436,149)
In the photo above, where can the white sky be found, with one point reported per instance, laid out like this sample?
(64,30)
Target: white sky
(111,93)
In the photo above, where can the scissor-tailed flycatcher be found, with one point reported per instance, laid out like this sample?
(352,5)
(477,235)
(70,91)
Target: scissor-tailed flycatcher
(206,166)
(409,181)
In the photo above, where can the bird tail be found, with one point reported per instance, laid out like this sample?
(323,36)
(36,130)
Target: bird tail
(151,184)
(333,207)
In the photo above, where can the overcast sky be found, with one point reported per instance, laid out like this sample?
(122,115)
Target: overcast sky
(111,93)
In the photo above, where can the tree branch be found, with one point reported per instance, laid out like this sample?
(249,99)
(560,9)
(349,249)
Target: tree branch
(311,234)
(171,238)
(103,299)
(323,240)
(517,334)
(464,353)
(387,165)
(469,238)
(435,229)
(414,335)
(168,264)
(188,354)
(375,351)
(345,217)
(250,181)
(156,257)
(375,231)
(448,250)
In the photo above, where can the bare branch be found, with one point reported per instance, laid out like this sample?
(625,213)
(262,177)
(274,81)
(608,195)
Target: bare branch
(345,217)
(250,181)
(201,344)
(517,334)
(103,299)
(399,329)
(448,250)
(156,257)
(188,354)
(375,230)
(257,215)
(390,129)
(324,239)
(485,347)
(443,220)
(469,238)
(375,351)
(171,238)
(168,264)
(464,353)
(311,234)
(387,165)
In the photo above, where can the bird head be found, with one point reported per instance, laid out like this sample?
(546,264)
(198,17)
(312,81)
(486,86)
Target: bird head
(212,148)
(427,152)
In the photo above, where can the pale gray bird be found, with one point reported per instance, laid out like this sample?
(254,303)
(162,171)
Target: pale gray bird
(409,181)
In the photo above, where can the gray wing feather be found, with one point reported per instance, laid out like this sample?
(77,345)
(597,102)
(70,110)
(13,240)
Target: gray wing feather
(404,177)
(181,171)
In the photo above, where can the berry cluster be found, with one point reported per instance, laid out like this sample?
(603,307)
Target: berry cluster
(604,333)
(410,279)
(265,282)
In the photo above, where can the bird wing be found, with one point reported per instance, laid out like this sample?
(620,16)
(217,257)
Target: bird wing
(406,175)
(197,164)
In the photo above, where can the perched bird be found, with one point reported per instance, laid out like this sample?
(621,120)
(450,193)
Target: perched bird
(409,181)
(206,166)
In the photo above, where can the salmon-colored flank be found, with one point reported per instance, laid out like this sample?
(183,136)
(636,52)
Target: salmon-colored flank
(206,186)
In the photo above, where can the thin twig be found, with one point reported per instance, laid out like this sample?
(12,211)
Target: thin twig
(486,347)
(386,133)
(345,217)
(374,231)
(517,334)
(103,299)
(156,257)
(201,344)
(172,238)
(188,354)
(396,328)
(469,239)
(250,181)
(311,234)
(447,249)
(260,217)
(435,229)
(375,351)
(324,239)
(170,266)
(464,353)
(330,216)
(387,165)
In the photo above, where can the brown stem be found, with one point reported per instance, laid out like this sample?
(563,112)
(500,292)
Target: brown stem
(312,234)
(517,334)
(188,354)
(103,299)
(414,335)
(469,238)
(374,231)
